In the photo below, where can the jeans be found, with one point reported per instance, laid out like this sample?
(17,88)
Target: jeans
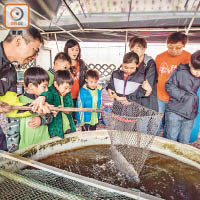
(88,127)
(162,105)
(178,128)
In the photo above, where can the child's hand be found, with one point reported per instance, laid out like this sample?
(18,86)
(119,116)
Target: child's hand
(146,86)
(123,100)
(35,122)
(40,106)
(67,112)
(111,93)
(120,98)
(53,112)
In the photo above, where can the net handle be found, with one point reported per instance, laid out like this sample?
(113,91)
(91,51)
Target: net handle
(60,108)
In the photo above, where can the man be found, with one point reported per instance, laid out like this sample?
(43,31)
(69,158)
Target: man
(20,47)
(166,63)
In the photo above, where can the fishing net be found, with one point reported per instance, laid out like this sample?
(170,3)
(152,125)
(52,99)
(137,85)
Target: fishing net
(132,129)
(44,182)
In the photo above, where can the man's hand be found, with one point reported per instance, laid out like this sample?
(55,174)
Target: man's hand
(40,106)
(35,122)
(146,86)
(4,107)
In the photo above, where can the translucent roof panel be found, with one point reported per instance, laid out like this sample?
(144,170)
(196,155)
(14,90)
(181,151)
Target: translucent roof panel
(122,6)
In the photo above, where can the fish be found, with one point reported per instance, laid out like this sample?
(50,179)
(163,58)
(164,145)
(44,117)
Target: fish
(123,165)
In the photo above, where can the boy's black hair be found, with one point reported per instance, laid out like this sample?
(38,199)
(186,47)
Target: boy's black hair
(195,59)
(137,40)
(62,56)
(71,43)
(177,37)
(63,76)
(35,75)
(130,57)
(93,74)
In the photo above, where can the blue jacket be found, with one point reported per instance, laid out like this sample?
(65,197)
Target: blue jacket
(85,101)
(182,88)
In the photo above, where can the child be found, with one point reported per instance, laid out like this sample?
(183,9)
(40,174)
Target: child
(33,129)
(128,83)
(148,66)
(166,63)
(61,62)
(59,95)
(89,97)
(182,108)
(78,68)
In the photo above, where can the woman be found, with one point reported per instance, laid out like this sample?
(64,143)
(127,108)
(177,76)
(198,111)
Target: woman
(78,68)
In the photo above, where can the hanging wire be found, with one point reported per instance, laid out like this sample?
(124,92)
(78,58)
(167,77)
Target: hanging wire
(56,42)
(126,41)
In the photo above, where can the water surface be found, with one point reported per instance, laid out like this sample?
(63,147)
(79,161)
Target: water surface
(161,176)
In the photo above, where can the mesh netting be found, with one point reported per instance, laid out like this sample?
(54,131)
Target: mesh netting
(44,182)
(132,129)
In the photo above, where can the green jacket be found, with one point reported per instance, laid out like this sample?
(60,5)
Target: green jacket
(51,76)
(30,135)
(53,98)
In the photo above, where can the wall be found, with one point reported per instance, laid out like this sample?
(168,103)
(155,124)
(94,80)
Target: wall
(111,53)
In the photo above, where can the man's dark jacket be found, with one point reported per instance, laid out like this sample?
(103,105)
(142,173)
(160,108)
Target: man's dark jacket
(8,74)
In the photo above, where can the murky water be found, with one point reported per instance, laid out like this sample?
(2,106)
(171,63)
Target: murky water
(161,176)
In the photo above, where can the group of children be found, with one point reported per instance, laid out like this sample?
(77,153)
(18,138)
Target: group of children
(34,128)
(63,85)
(128,84)
(69,83)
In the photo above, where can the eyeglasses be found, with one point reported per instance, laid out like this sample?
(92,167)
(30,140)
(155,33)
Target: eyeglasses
(36,51)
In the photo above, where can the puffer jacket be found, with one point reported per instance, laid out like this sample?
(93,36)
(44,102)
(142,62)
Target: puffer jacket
(85,100)
(131,87)
(182,88)
(8,75)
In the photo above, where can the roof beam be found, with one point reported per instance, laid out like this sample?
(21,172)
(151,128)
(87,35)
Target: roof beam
(82,8)
(55,24)
(49,21)
(74,16)
(192,20)
(126,29)
(33,25)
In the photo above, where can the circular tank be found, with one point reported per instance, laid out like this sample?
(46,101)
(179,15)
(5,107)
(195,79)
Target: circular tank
(183,153)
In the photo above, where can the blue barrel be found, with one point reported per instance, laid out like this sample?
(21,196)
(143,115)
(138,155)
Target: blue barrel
(195,130)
